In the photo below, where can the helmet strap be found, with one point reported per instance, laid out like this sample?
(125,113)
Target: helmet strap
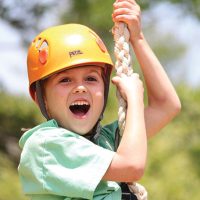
(40,100)
(94,133)
(106,79)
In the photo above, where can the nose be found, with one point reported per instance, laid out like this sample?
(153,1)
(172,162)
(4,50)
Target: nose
(80,89)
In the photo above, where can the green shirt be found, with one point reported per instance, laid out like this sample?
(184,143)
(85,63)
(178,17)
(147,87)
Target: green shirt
(57,164)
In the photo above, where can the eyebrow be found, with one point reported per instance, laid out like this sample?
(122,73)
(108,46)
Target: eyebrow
(89,71)
(95,71)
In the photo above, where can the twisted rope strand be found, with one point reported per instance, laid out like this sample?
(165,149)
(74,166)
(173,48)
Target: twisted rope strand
(123,66)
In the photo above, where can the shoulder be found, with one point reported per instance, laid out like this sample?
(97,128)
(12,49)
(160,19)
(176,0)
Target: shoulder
(32,131)
(45,133)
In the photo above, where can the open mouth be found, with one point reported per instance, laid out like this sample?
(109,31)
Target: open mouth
(79,108)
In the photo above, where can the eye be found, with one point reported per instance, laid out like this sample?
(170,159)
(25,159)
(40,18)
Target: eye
(65,80)
(91,78)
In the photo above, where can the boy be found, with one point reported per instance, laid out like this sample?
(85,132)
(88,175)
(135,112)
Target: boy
(69,70)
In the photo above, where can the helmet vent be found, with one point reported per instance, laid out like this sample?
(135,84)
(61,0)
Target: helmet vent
(44,45)
(37,42)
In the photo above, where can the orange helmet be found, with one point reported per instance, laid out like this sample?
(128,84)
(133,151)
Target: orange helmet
(65,46)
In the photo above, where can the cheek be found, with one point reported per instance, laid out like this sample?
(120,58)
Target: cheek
(56,93)
(54,99)
(99,97)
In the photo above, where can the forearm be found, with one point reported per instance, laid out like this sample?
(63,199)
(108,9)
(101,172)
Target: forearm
(129,162)
(133,145)
(158,84)
(163,102)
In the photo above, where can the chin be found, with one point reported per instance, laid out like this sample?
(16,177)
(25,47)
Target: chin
(78,130)
(82,132)
(81,128)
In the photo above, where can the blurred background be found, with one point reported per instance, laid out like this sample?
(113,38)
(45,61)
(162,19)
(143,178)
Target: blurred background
(172,27)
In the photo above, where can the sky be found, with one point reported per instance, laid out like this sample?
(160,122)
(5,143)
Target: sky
(12,60)
(187,29)
(13,74)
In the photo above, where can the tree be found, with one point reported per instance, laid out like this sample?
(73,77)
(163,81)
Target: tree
(173,162)
(16,112)
(26,16)
(190,7)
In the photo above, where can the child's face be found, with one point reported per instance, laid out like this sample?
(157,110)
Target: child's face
(75,98)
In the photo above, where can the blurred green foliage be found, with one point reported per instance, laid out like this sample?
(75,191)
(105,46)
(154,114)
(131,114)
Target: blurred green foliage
(16,113)
(9,182)
(174,155)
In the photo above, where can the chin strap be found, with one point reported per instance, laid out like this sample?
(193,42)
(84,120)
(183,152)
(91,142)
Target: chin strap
(40,100)
(95,132)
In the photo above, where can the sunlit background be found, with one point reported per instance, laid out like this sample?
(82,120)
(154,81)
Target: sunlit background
(172,27)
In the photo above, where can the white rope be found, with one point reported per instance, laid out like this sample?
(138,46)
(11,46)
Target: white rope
(123,66)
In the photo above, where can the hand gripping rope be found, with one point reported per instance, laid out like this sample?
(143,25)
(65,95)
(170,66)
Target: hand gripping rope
(123,66)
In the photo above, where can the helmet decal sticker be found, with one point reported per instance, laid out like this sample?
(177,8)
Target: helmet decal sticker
(43,55)
(101,45)
(43,52)
(99,42)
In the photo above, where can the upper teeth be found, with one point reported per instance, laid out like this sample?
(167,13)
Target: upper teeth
(79,103)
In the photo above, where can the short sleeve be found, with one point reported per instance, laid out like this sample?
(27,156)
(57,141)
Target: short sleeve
(63,163)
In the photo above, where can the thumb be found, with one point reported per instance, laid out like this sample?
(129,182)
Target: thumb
(115,80)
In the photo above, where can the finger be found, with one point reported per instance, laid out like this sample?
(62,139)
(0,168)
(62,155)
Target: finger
(125,18)
(135,75)
(126,4)
(127,10)
(130,1)
(122,4)
(120,11)
(115,80)
(123,11)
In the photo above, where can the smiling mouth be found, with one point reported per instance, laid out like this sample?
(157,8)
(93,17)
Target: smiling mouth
(79,108)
